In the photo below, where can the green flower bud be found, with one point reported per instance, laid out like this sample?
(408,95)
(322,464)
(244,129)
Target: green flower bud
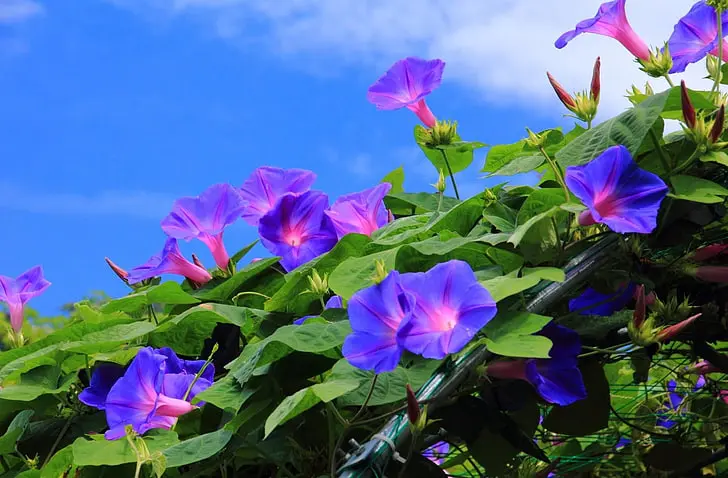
(658,64)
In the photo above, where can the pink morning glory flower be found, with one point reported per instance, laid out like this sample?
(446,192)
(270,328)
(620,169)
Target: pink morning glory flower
(406,84)
(150,394)
(266,185)
(297,229)
(17,292)
(170,261)
(558,379)
(361,212)
(376,314)
(696,35)
(450,307)
(617,192)
(205,217)
(610,20)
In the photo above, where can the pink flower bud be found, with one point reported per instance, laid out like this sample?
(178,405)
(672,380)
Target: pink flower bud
(702,368)
(196,260)
(717,274)
(413,407)
(596,85)
(708,252)
(717,128)
(563,95)
(669,332)
(121,273)
(687,106)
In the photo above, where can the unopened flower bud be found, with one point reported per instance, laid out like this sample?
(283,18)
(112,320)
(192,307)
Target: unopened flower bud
(702,368)
(318,285)
(561,92)
(658,64)
(712,65)
(414,413)
(121,273)
(669,332)
(443,133)
(390,216)
(709,252)
(721,5)
(718,274)
(490,198)
(196,260)
(596,85)
(640,309)
(535,140)
(688,109)
(440,185)
(717,129)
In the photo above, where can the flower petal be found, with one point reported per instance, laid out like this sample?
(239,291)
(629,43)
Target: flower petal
(361,213)
(104,377)
(267,184)
(557,380)
(405,83)
(592,302)
(695,35)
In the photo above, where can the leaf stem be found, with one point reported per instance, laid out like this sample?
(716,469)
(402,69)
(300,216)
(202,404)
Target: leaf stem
(719,16)
(557,172)
(661,152)
(669,80)
(449,171)
(688,162)
(60,436)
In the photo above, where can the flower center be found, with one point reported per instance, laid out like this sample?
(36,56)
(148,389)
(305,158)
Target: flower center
(293,238)
(447,319)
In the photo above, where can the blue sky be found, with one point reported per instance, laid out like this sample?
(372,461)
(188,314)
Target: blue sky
(111,110)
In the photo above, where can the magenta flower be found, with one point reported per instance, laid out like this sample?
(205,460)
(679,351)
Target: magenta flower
(150,394)
(170,261)
(267,184)
(16,292)
(558,379)
(205,217)
(450,307)
(406,84)
(610,20)
(335,302)
(297,228)
(376,314)
(361,213)
(617,192)
(696,35)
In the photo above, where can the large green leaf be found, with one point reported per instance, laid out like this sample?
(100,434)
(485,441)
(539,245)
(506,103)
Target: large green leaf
(197,449)
(515,323)
(304,399)
(628,129)
(512,284)
(396,179)
(528,346)
(673,105)
(225,290)
(46,379)
(500,157)
(390,386)
(459,154)
(226,394)
(418,203)
(700,190)
(165,293)
(14,432)
(108,340)
(243,252)
(98,451)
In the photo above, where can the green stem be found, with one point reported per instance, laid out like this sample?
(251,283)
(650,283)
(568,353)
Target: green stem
(153,315)
(688,162)
(719,15)
(4,464)
(661,226)
(202,370)
(557,172)
(410,452)
(366,401)
(661,152)
(449,171)
(669,80)
(589,124)
(60,436)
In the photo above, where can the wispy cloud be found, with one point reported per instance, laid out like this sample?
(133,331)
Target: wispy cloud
(16,11)
(136,204)
(499,48)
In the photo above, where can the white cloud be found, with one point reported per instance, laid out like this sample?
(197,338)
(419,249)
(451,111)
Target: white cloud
(500,48)
(138,204)
(15,11)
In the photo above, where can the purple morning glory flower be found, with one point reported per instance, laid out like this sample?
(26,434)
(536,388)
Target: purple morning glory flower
(361,213)
(375,314)
(696,35)
(104,377)
(610,20)
(450,307)
(437,452)
(151,394)
(16,292)
(558,379)
(334,302)
(593,302)
(406,84)
(297,228)
(617,192)
(170,261)
(266,185)
(205,217)
(673,403)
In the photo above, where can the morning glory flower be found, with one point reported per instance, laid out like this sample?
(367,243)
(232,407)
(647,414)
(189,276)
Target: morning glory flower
(104,377)
(450,307)
(437,452)
(672,405)
(205,217)
(375,314)
(361,213)
(558,379)
(335,302)
(593,302)
(406,84)
(297,228)
(617,192)
(266,185)
(170,261)
(696,35)
(151,393)
(610,20)
(17,292)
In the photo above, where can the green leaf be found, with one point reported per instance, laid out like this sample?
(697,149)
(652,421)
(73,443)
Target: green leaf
(243,252)
(226,394)
(715,157)
(528,346)
(225,290)
(586,416)
(304,399)
(700,190)
(60,464)
(292,297)
(629,129)
(390,386)
(357,273)
(109,339)
(15,431)
(197,449)
(502,155)
(524,228)
(511,284)
(459,154)
(419,202)
(169,292)
(46,379)
(523,164)
(98,451)
(396,179)
(515,323)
